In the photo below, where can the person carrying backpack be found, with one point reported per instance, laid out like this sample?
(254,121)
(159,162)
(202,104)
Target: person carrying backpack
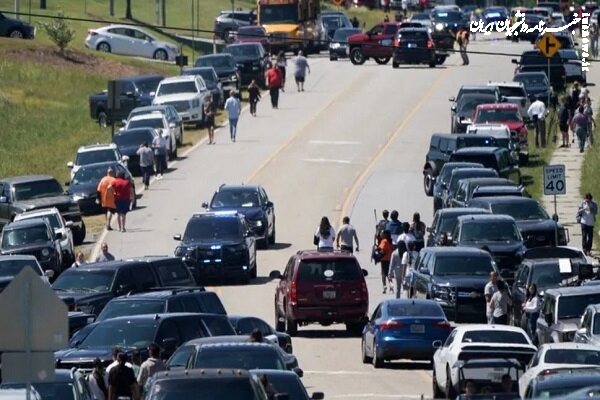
(394,227)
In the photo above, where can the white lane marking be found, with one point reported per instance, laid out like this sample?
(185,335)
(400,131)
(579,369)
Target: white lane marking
(327,160)
(334,142)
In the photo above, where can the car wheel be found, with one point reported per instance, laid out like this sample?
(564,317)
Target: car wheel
(357,57)
(104,47)
(432,64)
(279,322)
(440,59)
(428,182)
(437,393)
(291,326)
(382,60)
(102,119)
(272,238)
(365,359)
(449,388)
(79,234)
(16,34)
(395,64)
(377,361)
(161,54)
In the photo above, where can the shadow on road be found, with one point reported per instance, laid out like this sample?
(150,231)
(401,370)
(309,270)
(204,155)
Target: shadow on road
(324,333)
(407,365)
(279,246)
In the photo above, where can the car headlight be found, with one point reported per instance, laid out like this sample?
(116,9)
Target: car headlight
(78,197)
(439,26)
(466,121)
(45,252)
(335,45)
(234,77)
(440,292)
(258,223)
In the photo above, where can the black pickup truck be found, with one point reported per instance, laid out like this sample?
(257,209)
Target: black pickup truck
(535,61)
(136,91)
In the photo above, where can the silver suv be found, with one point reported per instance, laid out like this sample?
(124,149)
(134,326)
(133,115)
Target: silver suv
(230,21)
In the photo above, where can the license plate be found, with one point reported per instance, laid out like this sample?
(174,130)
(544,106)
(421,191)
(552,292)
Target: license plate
(415,328)
(412,45)
(329,294)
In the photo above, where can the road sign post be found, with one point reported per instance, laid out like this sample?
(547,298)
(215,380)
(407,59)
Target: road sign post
(548,46)
(555,183)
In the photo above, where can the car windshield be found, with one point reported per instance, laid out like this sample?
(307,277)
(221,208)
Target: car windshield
(208,76)
(289,384)
(332,22)
(10,267)
(341,35)
(253,32)
(37,234)
(521,211)
(569,55)
(89,174)
(147,86)
(495,336)
(53,219)
(200,229)
(596,327)
(573,306)
(490,231)
(242,358)
(463,265)
(249,50)
(498,115)
(215,62)
(329,270)
(410,309)
(572,356)
(468,104)
(421,17)
(123,308)
(448,16)
(122,333)
(532,80)
(166,89)
(37,189)
(203,389)
(155,123)
(47,391)
(511,91)
(448,221)
(96,156)
(77,280)
(134,138)
(235,199)
(278,13)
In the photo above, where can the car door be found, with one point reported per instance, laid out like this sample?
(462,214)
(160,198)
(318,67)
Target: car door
(422,275)
(143,277)
(432,230)
(440,359)
(386,41)
(369,335)
(118,40)
(133,43)
(143,44)
(519,290)
(374,36)
(282,287)
(460,196)
(168,337)
(586,324)
(543,330)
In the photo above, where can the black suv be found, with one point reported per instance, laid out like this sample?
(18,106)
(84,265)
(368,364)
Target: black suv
(462,113)
(491,157)
(442,180)
(251,59)
(89,287)
(229,21)
(464,173)
(26,193)
(535,61)
(441,148)
(467,187)
(498,233)
(226,69)
(455,278)
(253,203)
(445,24)
(135,333)
(194,300)
(14,28)
(34,237)
(414,46)
(218,245)
(444,221)
(536,226)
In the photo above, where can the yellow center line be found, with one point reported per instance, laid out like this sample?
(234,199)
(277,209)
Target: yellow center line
(298,132)
(383,148)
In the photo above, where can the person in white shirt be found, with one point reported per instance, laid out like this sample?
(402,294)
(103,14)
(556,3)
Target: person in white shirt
(531,308)
(537,113)
(408,261)
(98,381)
(490,288)
(324,235)
(115,354)
(79,260)
(406,236)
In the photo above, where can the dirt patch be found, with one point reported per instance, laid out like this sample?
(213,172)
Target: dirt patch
(74,60)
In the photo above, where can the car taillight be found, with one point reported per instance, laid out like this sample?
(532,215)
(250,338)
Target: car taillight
(442,325)
(364,294)
(391,324)
(92,33)
(429,44)
(396,43)
(293,294)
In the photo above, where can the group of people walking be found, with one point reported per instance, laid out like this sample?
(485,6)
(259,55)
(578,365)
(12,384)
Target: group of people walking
(576,114)
(115,197)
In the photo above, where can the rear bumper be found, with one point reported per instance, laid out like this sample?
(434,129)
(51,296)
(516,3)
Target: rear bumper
(212,272)
(329,315)
(394,349)
(414,56)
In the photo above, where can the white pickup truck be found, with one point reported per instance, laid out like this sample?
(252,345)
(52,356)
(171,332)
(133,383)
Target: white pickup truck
(186,94)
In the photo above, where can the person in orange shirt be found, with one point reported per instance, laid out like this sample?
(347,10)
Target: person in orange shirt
(106,195)
(386,249)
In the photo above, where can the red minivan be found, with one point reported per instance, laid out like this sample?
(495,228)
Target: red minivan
(324,287)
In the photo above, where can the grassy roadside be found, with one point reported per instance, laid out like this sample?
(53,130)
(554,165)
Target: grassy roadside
(533,172)
(590,181)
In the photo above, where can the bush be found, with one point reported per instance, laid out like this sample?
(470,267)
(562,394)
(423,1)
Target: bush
(59,32)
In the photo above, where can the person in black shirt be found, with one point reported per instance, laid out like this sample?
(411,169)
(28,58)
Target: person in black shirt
(122,382)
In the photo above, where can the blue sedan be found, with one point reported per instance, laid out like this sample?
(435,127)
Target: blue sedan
(404,329)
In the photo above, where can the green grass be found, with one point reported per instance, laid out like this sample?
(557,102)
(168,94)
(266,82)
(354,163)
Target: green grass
(590,181)
(532,173)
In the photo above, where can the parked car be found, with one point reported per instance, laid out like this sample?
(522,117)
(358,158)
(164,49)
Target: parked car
(537,86)
(89,287)
(186,93)
(231,20)
(535,61)
(491,157)
(218,245)
(514,92)
(472,90)
(246,325)
(443,179)
(561,385)
(456,179)
(444,221)
(329,287)
(33,192)
(135,91)
(467,186)
(377,43)
(334,21)
(414,46)
(130,41)
(573,66)
(12,265)
(252,34)
(96,153)
(253,203)
(252,61)
(15,28)
(531,19)
(211,79)
(66,385)
(504,113)
(287,382)
(58,225)
(168,111)
(463,112)
(505,138)
(129,141)
(226,69)
(589,326)
(403,329)
(159,122)
(338,45)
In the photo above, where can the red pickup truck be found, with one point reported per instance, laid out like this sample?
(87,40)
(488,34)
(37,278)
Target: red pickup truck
(377,43)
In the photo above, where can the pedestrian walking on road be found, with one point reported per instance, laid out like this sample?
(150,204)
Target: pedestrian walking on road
(406,237)
(386,249)
(98,381)
(324,235)
(594,33)
(253,97)
(462,40)
(209,117)
(589,113)
(123,198)
(122,382)
(488,291)
(380,227)
(273,78)
(499,303)
(146,163)
(151,366)
(104,255)
(281,65)
(394,226)
(396,269)
(418,229)
(347,236)
(580,126)
(159,144)
(301,68)
(531,310)
(79,260)
(408,261)
(586,216)
(563,120)
(107,196)
(537,113)
(234,109)
(355,22)
(404,6)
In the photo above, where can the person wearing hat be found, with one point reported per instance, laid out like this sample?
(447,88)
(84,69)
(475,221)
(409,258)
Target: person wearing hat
(537,113)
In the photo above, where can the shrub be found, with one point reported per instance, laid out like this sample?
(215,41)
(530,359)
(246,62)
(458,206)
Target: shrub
(59,31)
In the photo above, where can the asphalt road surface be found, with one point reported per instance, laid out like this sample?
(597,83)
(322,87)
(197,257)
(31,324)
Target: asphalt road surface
(353,142)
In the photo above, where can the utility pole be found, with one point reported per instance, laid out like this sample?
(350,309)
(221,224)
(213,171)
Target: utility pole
(164,13)
(111,7)
(157,11)
(17,8)
(193,33)
(128,10)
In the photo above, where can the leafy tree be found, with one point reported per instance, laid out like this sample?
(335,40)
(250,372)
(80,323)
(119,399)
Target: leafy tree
(59,31)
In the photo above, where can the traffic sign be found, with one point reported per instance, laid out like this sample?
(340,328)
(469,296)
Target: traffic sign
(555,180)
(549,44)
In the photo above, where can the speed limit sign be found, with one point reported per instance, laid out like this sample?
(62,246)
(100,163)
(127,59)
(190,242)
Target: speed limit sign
(555,180)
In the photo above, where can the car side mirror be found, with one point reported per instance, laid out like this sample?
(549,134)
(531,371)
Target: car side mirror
(70,164)
(3,199)
(129,94)
(275,275)
(298,371)
(451,99)
(436,344)
(317,396)
(270,204)
(365,272)
(69,224)
(453,108)
(125,158)
(204,205)
(58,235)
(49,273)
(177,237)
(581,331)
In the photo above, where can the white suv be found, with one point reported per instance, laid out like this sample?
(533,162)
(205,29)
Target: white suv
(156,120)
(515,93)
(186,93)
(59,225)
(96,153)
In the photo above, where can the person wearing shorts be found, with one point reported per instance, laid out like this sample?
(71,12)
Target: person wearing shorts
(563,121)
(122,188)
(106,196)
(301,68)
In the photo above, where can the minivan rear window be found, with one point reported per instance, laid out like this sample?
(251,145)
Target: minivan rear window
(329,270)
